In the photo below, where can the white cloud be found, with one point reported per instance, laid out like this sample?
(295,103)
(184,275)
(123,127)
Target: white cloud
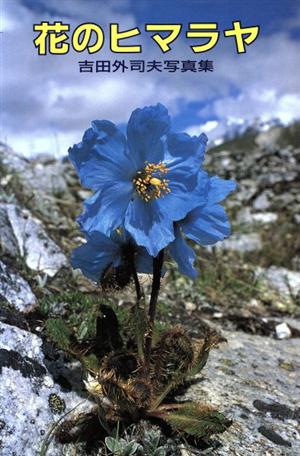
(48,102)
(207,127)
(288,108)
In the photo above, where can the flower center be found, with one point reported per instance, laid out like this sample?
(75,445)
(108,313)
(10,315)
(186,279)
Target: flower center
(150,183)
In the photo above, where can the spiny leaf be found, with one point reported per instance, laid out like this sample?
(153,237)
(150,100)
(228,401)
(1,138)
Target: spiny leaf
(201,354)
(197,420)
(59,332)
(173,356)
(211,340)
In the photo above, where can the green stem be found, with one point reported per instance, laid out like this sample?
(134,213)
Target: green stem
(157,271)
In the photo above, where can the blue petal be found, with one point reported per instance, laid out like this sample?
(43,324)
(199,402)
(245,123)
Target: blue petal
(102,156)
(144,131)
(94,256)
(105,210)
(109,136)
(183,179)
(202,189)
(148,226)
(184,145)
(144,262)
(79,153)
(211,190)
(206,225)
(184,255)
(219,189)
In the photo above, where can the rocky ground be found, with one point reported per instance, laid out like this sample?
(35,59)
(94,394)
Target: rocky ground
(249,289)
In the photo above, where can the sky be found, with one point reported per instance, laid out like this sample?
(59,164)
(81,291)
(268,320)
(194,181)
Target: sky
(47,103)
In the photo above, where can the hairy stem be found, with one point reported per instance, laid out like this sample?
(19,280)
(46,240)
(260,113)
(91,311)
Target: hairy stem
(157,271)
(137,310)
(138,289)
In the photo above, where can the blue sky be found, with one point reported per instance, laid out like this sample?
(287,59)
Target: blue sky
(270,14)
(48,103)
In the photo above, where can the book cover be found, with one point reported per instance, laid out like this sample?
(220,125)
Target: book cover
(149,227)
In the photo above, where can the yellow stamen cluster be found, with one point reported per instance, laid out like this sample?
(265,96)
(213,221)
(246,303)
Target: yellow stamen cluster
(149,182)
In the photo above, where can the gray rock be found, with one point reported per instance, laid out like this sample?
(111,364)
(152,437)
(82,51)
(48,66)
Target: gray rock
(43,182)
(284,200)
(254,380)
(247,217)
(263,201)
(283,331)
(28,239)
(15,290)
(246,191)
(190,306)
(8,242)
(26,390)
(296,263)
(268,139)
(282,280)
(11,161)
(265,217)
(47,178)
(241,243)
(270,179)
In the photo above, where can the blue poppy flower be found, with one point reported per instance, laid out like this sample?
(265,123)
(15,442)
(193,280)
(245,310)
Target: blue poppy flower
(206,224)
(144,182)
(102,255)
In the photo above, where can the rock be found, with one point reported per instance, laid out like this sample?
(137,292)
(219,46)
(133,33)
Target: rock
(273,436)
(245,380)
(247,217)
(23,235)
(283,331)
(282,280)
(296,262)
(190,306)
(268,139)
(246,191)
(297,218)
(270,179)
(47,177)
(265,217)
(241,243)
(284,200)
(28,393)
(11,161)
(42,185)
(15,290)
(263,201)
